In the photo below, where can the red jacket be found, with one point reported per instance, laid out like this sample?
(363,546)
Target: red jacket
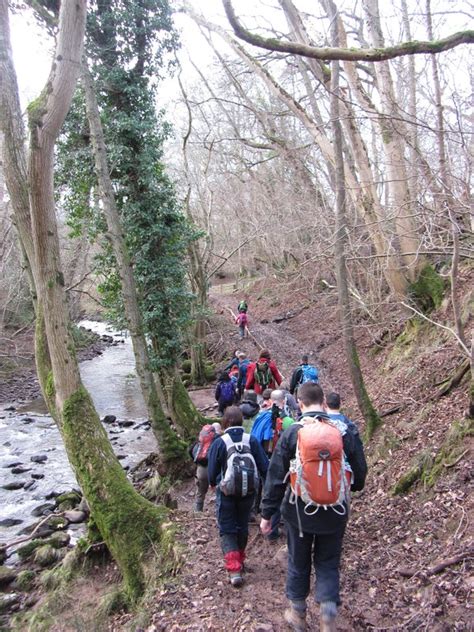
(276,376)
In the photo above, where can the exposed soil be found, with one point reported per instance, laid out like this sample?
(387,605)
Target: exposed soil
(393,543)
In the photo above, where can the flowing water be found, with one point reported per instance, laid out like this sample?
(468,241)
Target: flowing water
(28,432)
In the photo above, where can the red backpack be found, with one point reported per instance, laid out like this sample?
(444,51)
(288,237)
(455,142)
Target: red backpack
(205,439)
(320,474)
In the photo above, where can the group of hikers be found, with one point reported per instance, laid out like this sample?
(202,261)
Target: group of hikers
(293,457)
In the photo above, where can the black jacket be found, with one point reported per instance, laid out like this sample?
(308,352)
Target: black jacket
(277,489)
(296,379)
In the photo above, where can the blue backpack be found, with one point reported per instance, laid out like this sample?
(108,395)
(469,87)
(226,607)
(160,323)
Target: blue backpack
(228,391)
(309,374)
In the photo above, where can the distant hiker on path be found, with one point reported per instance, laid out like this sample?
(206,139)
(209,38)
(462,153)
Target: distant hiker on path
(234,362)
(242,321)
(263,374)
(314,508)
(199,453)
(242,307)
(225,392)
(305,372)
(236,462)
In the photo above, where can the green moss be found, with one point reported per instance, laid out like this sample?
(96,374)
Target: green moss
(186,366)
(422,462)
(27,550)
(209,371)
(26,580)
(128,523)
(57,522)
(45,555)
(452,448)
(68,500)
(428,290)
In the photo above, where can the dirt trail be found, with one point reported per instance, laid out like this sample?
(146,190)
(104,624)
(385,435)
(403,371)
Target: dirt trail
(386,534)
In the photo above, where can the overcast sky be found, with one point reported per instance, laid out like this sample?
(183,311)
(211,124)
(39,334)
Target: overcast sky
(32,48)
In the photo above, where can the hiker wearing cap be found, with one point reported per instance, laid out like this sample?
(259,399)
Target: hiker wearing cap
(199,453)
(263,374)
(312,485)
(236,463)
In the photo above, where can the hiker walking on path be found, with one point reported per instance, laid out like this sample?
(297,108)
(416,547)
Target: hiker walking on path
(236,462)
(242,321)
(333,409)
(235,362)
(225,392)
(305,372)
(263,374)
(244,364)
(199,453)
(242,307)
(314,508)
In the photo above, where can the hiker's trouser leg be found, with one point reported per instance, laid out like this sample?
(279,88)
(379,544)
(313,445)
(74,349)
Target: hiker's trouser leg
(327,559)
(299,564)
(242,330)
(233,518)
(202,483)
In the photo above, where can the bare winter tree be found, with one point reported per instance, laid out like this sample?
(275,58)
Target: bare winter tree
(128,523)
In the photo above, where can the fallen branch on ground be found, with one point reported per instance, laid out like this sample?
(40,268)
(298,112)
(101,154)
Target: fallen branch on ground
(437,568)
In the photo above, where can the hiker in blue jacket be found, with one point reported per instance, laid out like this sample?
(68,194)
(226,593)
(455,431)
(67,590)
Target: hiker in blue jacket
(303,373)
(233,512)
(313,537)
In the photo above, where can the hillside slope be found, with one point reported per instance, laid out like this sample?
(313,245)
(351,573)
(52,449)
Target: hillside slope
(394,543)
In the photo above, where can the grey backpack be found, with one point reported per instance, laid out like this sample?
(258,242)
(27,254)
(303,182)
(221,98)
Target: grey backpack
(241,477)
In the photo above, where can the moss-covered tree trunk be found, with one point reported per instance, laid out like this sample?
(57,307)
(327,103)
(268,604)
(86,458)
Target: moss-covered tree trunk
(182,412)
(172,450)
(128,523)
(372,420)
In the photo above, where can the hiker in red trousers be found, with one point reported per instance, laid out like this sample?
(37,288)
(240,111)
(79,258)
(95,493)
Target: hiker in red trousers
(263,374)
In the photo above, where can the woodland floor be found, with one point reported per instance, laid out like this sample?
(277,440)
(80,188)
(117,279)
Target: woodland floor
(386,535)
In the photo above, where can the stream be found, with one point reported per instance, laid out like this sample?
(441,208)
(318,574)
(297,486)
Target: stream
(31,449)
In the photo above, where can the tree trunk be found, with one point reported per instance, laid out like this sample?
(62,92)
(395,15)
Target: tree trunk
(399,200)
(126,521)
(372,420)
(171,448)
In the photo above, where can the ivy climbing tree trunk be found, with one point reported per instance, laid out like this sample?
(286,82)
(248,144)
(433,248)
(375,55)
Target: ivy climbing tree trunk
(372,420)
(127,522)
(173,451)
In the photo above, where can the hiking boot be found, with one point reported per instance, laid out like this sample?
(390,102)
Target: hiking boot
(328,614)
(236,579)
(198,506)
(296,617)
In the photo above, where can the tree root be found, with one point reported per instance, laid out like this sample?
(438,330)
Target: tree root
(454,380)
(440,566)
